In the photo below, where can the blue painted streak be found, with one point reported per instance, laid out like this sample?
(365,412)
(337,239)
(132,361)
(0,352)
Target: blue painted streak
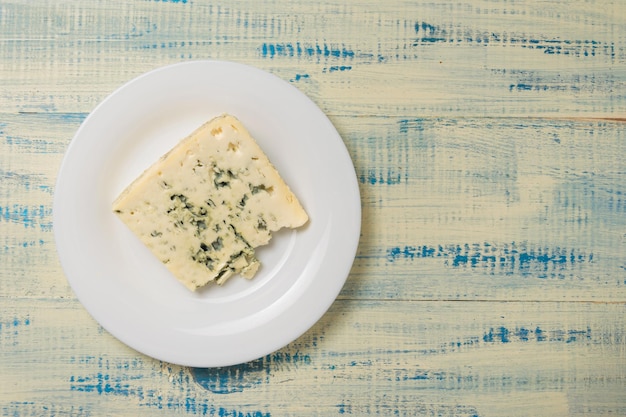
(103,383)
(227,380)
(271,50)
(429,34)
(415,407)
(522,334)
(389,177)
(29,216)
(508,258)
(338,68)
(25,181)
(34,145)
(412,125)
(14,324)
(22,244)
(40,409)
(170,1)
(125,381)
(300,77)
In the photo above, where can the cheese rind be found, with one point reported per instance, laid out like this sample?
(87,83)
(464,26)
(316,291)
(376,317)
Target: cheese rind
(204,206)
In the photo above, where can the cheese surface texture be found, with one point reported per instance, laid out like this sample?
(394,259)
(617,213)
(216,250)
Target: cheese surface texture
(204,207)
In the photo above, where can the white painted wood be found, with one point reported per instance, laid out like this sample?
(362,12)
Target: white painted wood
(488,138)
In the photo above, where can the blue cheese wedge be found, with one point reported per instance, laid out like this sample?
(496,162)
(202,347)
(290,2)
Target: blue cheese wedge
(205,206)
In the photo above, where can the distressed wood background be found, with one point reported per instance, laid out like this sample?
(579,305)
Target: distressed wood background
(488,137)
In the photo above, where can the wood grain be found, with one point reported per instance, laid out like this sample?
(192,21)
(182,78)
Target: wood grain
(488,140)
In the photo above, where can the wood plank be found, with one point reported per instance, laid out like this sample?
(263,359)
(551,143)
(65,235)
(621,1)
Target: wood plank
(487,138)
(409,58)
(363,357)
(498,209)
(31,149)
(515,209)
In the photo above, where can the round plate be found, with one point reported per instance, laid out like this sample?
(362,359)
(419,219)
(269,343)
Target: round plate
(130,293)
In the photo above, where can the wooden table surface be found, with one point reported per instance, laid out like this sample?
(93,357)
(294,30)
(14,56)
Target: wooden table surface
(488,138)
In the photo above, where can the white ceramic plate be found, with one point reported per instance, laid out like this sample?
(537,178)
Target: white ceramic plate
(130,293)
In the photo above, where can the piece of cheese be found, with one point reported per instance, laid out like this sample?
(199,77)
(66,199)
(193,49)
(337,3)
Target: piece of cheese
(206,205)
